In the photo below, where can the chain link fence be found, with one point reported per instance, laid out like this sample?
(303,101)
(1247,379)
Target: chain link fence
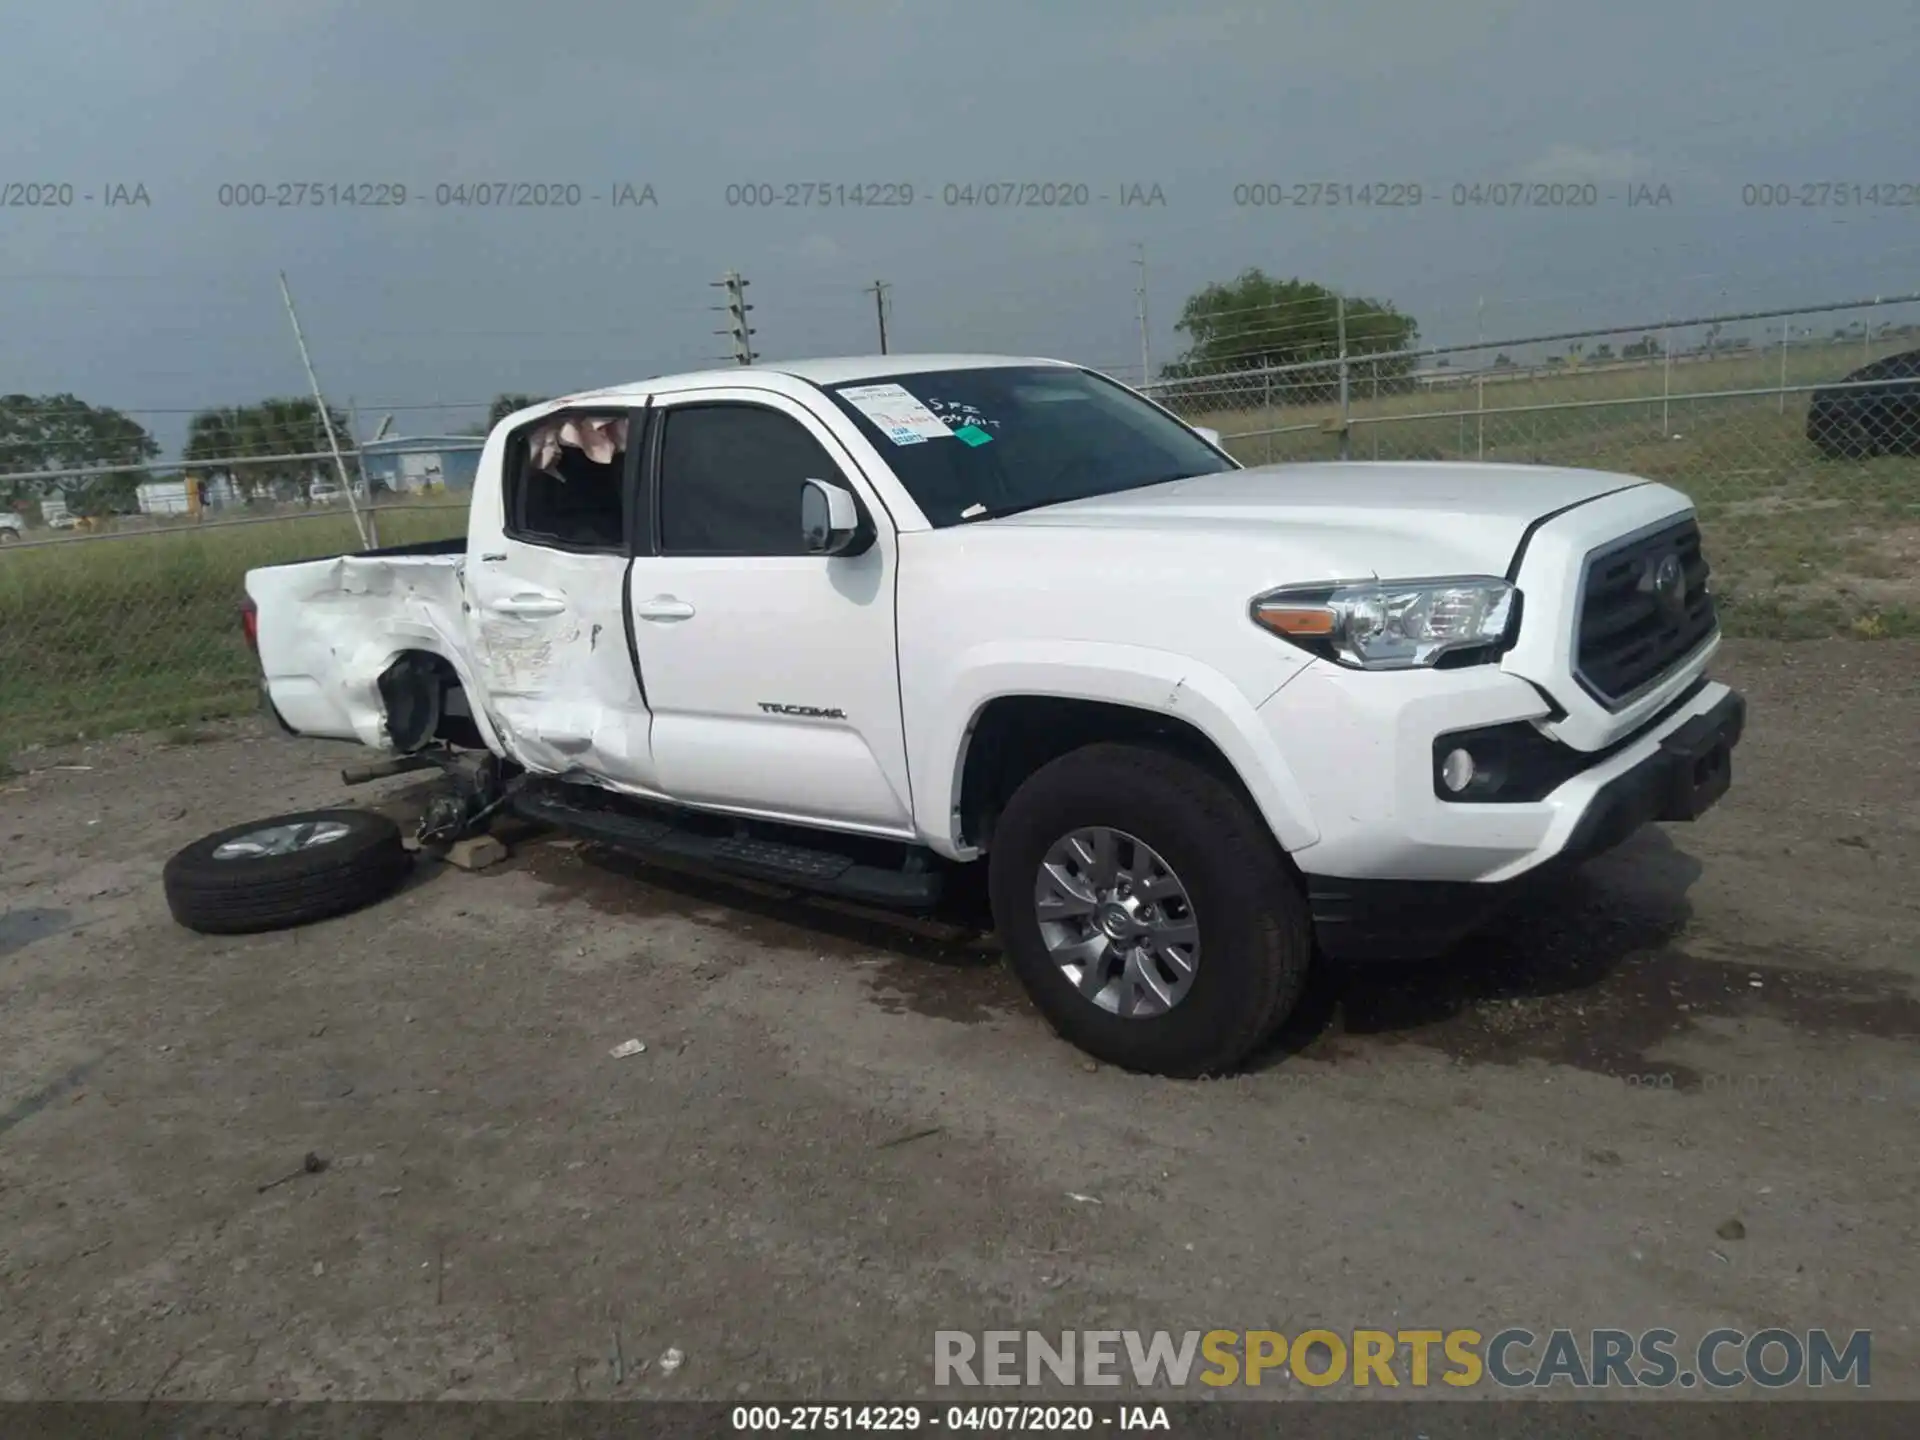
(1797,433)
(133,622)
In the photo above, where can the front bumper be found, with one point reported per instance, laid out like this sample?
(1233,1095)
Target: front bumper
(1676,773)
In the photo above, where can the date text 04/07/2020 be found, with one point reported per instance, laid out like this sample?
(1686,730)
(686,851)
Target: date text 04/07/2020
(461,195)
(971,194)
(991,1419)
(1475,195)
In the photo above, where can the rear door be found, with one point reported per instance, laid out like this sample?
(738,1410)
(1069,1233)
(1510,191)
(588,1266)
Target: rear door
(771,672)
(546,588)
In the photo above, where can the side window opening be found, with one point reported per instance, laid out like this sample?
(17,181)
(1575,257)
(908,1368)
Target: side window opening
(730,480)
(569,487)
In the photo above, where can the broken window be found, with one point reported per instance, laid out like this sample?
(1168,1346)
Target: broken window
(569,484)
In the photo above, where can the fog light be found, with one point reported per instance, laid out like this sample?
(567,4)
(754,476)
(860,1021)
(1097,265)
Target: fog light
(1456,771)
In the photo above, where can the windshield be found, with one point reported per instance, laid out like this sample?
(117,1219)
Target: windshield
(974,444)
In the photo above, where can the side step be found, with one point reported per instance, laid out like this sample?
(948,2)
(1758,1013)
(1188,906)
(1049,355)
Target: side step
(818,864)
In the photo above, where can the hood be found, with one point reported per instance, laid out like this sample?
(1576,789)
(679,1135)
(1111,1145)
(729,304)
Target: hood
(1356,518)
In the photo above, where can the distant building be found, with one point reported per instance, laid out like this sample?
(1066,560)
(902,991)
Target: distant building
(422,464)
(186,494)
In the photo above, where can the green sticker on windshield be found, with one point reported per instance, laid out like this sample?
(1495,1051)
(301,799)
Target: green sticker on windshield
(972,434)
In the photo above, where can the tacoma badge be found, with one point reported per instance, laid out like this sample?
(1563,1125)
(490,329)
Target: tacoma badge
(810,712)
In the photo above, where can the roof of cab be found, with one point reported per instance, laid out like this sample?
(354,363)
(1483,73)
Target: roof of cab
(829,370)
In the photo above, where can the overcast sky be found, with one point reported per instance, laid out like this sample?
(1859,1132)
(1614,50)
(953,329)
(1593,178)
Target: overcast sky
(173,305)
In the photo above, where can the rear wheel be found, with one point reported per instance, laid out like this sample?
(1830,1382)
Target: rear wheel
(285,871)
(1147,910)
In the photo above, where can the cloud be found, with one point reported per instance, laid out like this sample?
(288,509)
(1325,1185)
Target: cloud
(819,248)
(1576,164)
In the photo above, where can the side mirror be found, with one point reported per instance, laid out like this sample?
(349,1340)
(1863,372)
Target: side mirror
(829,519)
(1208,434)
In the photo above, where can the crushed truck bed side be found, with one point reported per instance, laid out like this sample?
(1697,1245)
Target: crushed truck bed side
(329,628)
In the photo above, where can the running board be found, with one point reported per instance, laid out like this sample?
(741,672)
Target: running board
(607,818)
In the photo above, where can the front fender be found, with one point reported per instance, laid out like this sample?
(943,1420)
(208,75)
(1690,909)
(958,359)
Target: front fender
(1145,679)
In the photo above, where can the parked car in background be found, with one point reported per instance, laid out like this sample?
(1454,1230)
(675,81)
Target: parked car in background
(1877,414)
(11,527)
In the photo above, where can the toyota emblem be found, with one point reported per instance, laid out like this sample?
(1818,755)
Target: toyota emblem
(1670,586)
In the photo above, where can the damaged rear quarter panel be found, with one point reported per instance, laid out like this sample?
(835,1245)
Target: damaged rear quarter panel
(329,628)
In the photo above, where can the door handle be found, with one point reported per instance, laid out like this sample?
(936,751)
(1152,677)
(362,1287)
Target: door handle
(663,607)
(530,605)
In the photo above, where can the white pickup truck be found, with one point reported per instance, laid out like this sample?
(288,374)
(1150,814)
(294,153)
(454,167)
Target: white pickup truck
(850,624)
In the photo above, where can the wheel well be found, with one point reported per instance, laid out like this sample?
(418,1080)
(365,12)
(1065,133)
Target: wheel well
(1014,735)
(424,702)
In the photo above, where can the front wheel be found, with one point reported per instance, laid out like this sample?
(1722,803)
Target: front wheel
(1147,910)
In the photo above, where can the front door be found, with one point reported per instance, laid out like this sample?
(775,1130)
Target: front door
(770,671)
(546,582)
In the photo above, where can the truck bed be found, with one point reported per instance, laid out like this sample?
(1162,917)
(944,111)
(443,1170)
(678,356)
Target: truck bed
(328,627)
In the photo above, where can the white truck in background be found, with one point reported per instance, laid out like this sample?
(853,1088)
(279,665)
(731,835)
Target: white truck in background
(851,624)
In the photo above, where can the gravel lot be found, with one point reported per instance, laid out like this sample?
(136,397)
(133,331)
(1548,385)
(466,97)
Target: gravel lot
(845,1133)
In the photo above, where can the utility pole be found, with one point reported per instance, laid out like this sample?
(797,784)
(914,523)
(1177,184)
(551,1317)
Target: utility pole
(333,441)
(1140,309)
(736,309)
(879,290)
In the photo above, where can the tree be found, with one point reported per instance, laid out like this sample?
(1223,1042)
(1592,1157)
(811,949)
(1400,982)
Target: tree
(53,432)
(1647,347)
(505,405)
(1601,353)
(1256,321)
(281,426)
(1503,361)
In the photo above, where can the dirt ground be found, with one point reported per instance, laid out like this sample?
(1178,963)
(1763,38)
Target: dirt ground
(845,1134)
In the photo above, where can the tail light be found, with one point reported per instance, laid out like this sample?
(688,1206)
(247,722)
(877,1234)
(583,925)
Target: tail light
(250,623)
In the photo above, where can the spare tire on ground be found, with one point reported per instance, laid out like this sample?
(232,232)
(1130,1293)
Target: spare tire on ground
(284,871)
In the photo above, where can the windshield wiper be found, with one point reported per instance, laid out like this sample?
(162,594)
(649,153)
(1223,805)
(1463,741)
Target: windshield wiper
(1001,511)
(1004,510)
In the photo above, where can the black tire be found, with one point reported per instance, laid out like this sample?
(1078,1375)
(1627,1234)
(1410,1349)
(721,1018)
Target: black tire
(237,896)
(1255,937)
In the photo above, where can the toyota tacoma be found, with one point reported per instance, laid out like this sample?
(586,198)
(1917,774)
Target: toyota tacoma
(856,625)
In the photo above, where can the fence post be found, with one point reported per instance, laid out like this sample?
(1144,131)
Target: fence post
(360,463)
(1340,328)
(1266,395)
(1480,378)
(1376,408)
(1666,380)
(1786,329)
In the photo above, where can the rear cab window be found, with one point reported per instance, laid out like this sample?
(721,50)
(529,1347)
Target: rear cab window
(567,482)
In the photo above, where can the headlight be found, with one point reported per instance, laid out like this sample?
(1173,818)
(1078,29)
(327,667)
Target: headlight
(1390,624)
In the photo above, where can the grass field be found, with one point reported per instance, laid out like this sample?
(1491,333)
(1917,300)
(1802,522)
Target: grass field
(1801,545)
(141,630)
